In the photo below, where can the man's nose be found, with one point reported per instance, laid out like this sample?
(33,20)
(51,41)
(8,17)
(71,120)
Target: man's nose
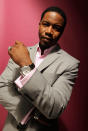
(49,30)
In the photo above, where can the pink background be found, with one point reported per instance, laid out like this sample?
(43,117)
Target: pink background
(19,20)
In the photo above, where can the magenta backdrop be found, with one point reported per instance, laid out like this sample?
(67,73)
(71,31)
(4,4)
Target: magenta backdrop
(19,21)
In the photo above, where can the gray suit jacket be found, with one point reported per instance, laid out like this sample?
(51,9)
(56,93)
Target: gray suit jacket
(49,89)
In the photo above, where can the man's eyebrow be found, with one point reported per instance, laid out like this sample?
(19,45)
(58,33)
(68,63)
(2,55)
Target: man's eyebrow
(45,21)
(56,24)
(59,25)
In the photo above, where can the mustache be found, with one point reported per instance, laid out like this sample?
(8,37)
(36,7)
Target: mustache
(46,37)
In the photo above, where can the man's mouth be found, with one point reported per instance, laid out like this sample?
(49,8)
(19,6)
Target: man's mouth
(47,38)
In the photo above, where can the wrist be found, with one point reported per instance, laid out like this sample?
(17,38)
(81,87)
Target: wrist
(26,69)
(27,63)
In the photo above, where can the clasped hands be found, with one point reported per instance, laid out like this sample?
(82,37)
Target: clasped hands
(20,54)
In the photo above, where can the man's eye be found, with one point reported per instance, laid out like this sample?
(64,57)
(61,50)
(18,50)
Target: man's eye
(59,29)
(45,24)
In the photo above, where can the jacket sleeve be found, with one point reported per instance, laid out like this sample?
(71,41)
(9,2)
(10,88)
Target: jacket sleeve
(51,100)
(9,97)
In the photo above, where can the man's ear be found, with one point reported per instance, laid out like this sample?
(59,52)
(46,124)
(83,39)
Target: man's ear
(40,22)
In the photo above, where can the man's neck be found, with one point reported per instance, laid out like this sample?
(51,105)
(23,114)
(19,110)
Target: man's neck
(43,48)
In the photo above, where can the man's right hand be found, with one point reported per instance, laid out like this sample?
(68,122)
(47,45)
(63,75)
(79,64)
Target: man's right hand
(19,54)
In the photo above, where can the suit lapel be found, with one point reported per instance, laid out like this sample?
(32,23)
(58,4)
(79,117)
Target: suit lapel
(49,59)
(33,51)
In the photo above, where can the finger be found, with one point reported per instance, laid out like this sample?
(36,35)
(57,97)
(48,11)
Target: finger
(9,48)
(9,52)
(18,42)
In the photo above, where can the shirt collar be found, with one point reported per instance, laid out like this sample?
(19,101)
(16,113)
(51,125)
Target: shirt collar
(46,51)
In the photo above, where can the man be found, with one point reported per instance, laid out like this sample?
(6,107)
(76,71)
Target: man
(38,81)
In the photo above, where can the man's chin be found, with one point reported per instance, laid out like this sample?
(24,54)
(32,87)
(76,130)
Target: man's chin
(45,44)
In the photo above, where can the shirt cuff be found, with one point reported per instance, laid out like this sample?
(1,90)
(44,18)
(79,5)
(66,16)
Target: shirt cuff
(21,81)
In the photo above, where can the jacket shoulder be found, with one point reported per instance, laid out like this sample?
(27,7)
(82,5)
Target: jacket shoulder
(32,47)
(66,57)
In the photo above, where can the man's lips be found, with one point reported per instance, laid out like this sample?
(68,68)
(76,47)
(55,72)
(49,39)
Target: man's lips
(47,38)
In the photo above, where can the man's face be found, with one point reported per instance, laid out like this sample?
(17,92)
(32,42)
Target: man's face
(50,29)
